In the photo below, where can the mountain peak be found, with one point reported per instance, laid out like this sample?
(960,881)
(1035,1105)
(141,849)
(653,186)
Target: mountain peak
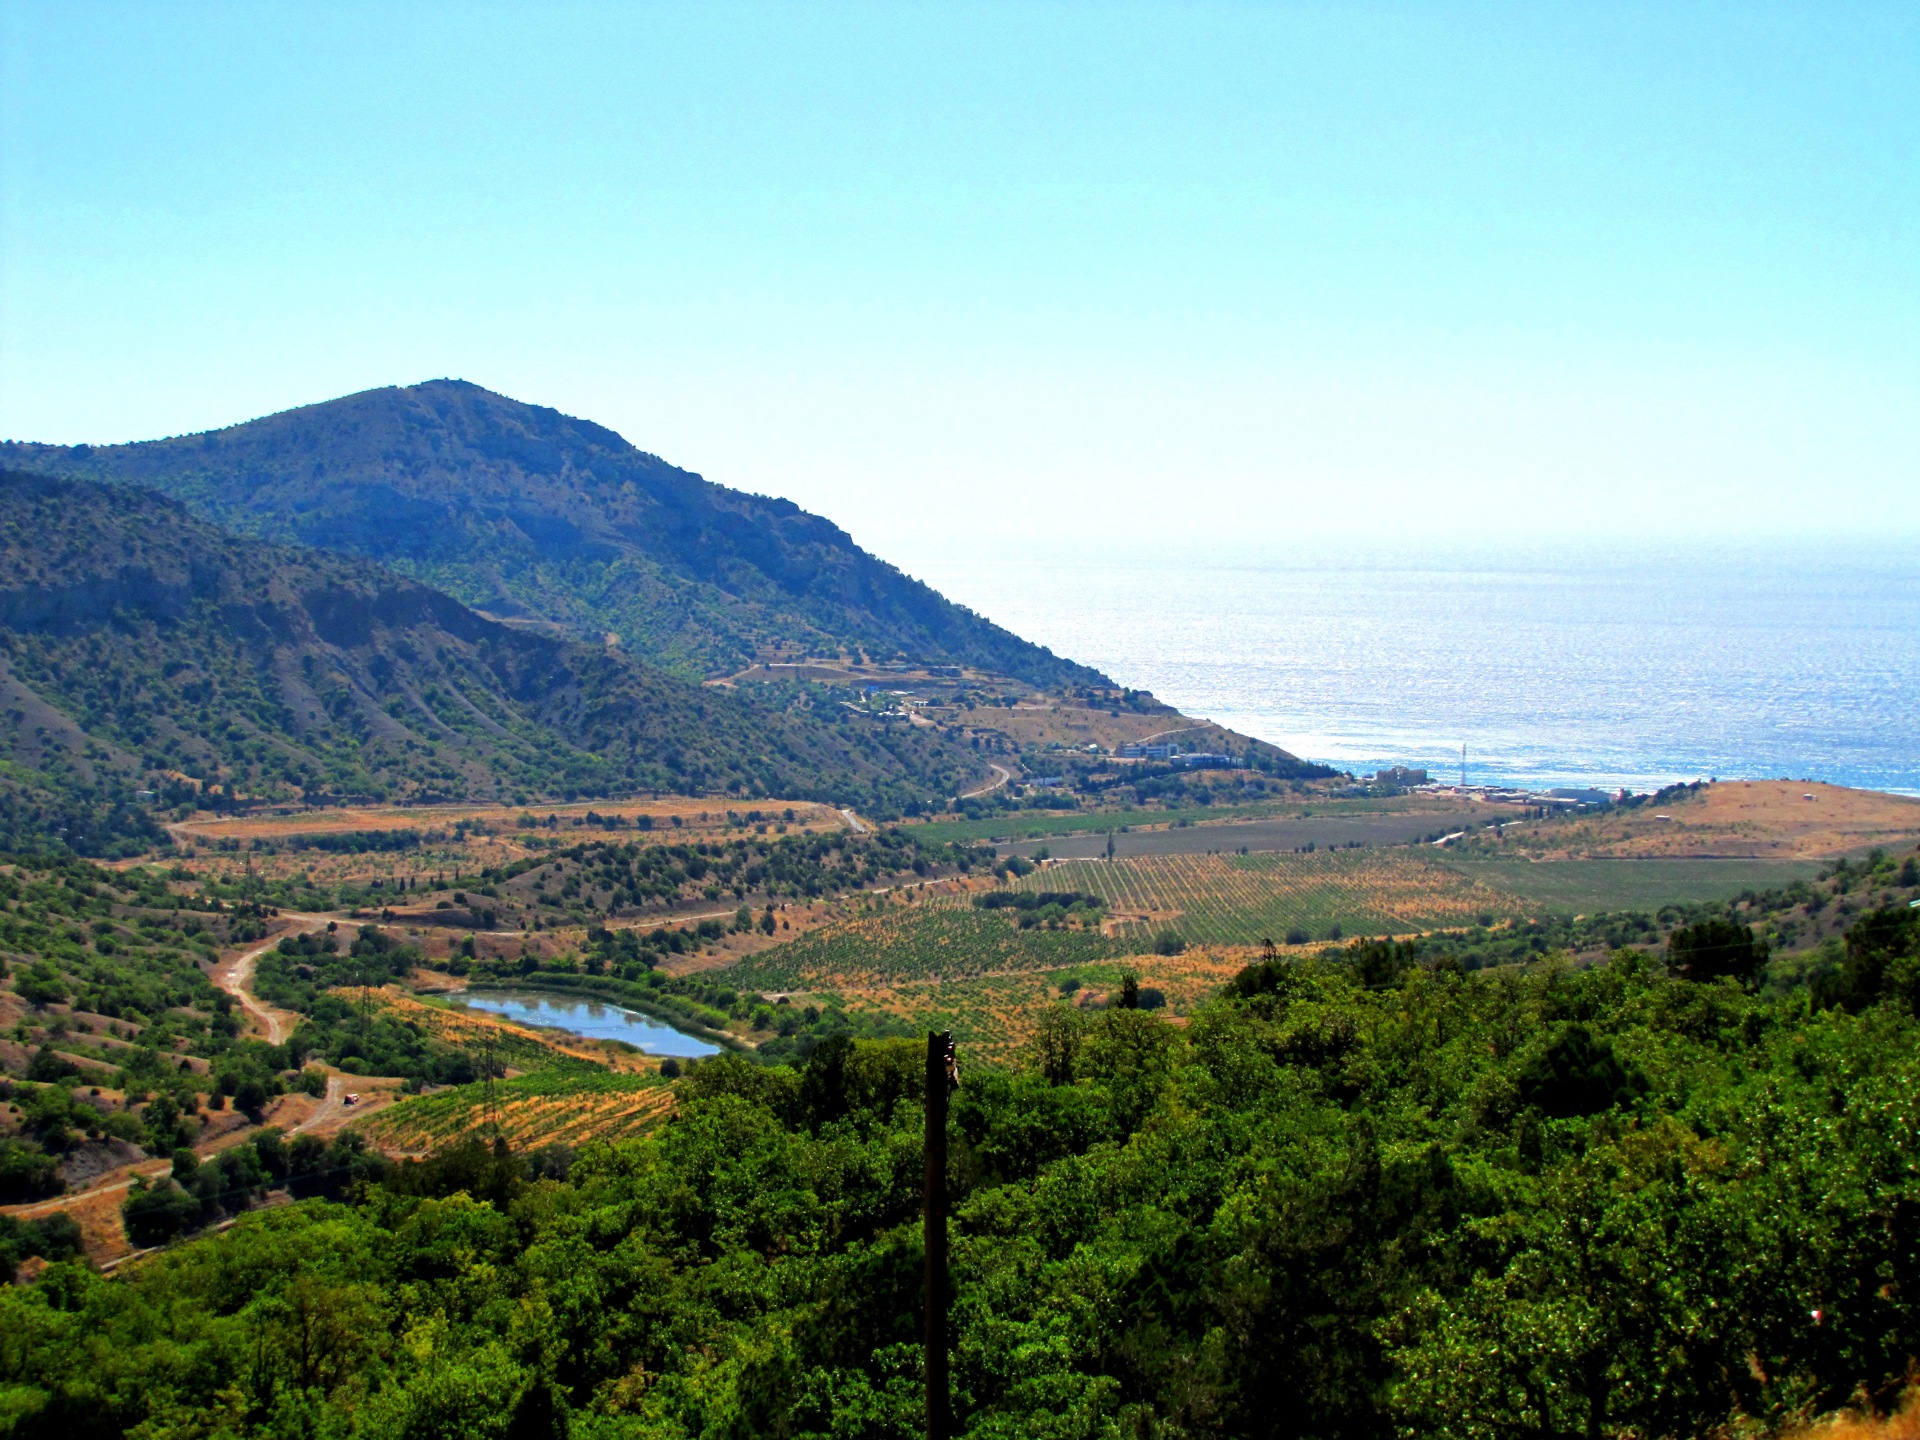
(543,518)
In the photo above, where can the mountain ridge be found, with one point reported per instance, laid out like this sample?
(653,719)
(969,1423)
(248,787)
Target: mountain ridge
(544,519)
(141,646)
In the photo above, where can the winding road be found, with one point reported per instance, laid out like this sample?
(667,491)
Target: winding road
(1001,775)
(235,976)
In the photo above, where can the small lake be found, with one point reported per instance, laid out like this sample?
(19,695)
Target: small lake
(596,1019)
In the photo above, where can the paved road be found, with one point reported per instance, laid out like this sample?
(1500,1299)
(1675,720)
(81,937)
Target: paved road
(854,822)
(1001,775)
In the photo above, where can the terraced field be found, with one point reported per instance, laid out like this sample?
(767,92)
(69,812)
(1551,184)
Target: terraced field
(1243,899)
(530,1110)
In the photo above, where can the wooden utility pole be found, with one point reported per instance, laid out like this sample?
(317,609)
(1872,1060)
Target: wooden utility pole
(942,1075)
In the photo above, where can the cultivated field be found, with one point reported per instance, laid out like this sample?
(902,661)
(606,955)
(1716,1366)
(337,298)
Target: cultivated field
(1244,899)
(940,938)
(529,1110)
(1587,887)
(994,1017)
(427,842)
(1291,832)
(941,963)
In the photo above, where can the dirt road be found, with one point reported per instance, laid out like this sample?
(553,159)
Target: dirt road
(235,976)
(330,1106)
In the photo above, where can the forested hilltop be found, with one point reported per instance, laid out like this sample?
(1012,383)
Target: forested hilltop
(532,515)
(142,650)
(1346,1200)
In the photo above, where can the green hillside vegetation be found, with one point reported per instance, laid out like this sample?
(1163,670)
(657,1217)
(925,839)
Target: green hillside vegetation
(607,879)
(532,515)
(1516,1203)
(140,646)
(116,1033)
(308,973)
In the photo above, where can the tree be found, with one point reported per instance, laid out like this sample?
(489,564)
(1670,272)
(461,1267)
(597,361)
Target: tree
(155,1214)
(1714,948)
(1883,958)
(1061,1032)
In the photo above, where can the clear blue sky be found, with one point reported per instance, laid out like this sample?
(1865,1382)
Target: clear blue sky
(1131,273)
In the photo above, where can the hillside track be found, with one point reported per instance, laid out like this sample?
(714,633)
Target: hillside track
(235,976)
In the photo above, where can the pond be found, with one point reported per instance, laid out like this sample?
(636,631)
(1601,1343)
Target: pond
(596,1019)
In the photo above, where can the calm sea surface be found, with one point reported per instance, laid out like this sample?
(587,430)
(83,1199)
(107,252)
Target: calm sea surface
(1550,667)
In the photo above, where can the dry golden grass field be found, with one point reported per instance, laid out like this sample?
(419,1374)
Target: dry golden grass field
(1758,819)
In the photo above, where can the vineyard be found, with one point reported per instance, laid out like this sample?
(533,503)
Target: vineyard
(1244,899)
(941,938)
(544,1108)
(942,963)
(994,1017)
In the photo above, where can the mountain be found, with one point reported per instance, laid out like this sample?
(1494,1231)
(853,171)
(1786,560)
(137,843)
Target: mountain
(537,518)
(141,647)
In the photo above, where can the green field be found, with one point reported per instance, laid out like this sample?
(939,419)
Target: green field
(1586,887)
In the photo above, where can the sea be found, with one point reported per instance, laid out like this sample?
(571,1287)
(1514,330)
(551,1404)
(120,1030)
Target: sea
(1552,664)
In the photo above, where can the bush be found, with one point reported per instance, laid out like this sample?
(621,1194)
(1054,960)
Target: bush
(27,1173)
(1168,942)
(1577,1075)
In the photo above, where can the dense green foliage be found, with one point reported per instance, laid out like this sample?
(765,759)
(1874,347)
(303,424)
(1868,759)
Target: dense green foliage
(141,645)
(305,973)
(53,1237)
(524,512)
(198,1191)
(1512,1203)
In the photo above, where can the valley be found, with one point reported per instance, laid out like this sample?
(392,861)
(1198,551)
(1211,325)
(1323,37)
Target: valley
(426,819)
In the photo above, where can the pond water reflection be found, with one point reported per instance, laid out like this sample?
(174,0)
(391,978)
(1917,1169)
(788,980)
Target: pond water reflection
(596,1019)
